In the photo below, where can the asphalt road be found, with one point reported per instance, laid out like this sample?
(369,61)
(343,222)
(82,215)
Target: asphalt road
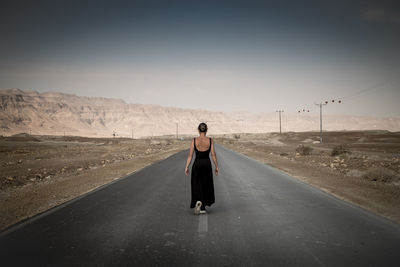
(261,217)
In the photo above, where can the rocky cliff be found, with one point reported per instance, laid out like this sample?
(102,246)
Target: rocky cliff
(58,114)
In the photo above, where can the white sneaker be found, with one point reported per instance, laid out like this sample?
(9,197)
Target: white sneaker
(197,207)
(203,211)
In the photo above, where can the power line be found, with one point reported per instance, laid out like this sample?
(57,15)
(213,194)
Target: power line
(366,90)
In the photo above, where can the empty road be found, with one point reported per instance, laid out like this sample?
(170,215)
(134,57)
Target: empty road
(261,217)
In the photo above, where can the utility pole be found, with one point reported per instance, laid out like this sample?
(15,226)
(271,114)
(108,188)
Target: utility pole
(280,121)
(177,131)
(132,133)
(320,120)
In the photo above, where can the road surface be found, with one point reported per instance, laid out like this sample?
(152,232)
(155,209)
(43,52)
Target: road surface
(261,217)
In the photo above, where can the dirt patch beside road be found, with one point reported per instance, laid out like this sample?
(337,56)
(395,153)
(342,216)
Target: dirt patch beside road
(361,167)
(40,172)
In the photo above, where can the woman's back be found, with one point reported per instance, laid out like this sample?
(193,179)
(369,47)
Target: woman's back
(202,147)
(202,143)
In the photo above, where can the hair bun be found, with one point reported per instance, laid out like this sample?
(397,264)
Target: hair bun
(202,127)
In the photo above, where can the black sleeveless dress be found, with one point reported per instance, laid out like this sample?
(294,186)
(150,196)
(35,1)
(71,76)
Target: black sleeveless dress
(202,178)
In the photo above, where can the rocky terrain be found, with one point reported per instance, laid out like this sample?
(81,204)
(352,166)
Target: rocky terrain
(40,172)
(362,167)
(64,114)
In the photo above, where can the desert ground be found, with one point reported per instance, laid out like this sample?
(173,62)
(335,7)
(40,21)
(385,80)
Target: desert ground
(362,167)
(41,172)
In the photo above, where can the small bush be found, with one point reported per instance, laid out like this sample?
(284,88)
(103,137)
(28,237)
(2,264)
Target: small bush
(339,150)
(382,175)
(237,136)
(304,150)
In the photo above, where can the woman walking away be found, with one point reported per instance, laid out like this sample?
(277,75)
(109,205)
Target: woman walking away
(202,176)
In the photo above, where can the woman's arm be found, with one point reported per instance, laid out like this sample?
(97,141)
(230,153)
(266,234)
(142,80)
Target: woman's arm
(189,159)
(214,157)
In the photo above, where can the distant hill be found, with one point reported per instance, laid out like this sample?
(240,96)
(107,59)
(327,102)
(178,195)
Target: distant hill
(57,113)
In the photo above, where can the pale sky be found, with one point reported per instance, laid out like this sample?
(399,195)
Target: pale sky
(256,56)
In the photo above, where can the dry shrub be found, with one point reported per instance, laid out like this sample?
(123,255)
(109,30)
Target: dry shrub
(304,150)
(237,136)
(381,174)
(339,150)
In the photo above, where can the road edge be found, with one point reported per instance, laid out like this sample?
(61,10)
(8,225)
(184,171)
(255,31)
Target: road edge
(364,210)
(27,220)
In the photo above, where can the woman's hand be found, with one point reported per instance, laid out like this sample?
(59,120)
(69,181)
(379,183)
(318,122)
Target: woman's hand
(187,171)
(216,171)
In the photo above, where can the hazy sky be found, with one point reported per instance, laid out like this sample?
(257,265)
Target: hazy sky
(256,56)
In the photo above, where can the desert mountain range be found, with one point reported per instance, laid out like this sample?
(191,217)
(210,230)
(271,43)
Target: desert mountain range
(58,114)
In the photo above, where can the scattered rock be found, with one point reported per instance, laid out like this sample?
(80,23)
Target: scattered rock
(155,142)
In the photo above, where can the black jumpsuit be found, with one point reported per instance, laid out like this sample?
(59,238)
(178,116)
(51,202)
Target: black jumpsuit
(202,178)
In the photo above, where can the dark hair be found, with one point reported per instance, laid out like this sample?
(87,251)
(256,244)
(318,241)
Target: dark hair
(202,127)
